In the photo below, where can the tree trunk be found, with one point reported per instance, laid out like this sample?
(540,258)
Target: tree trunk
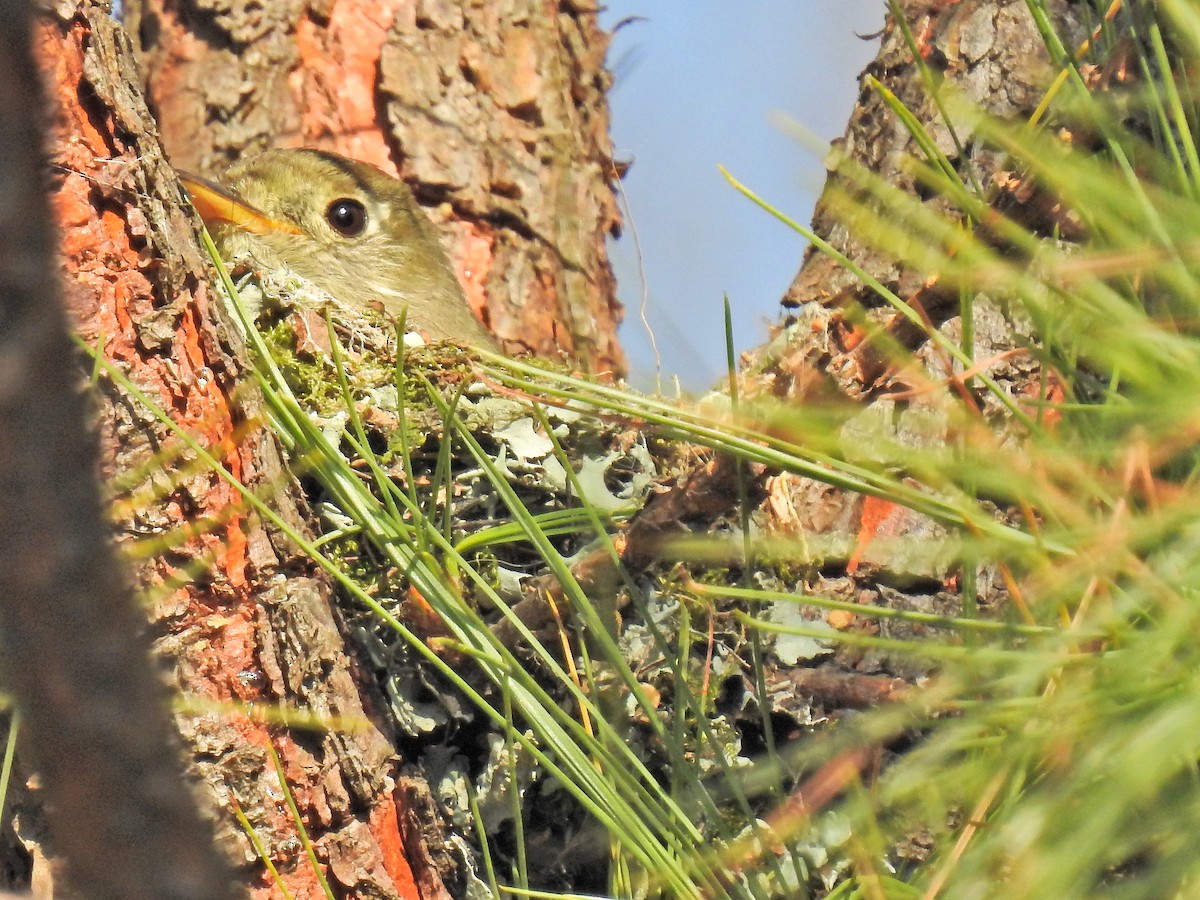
(990,52)
(495,115)
(242,615)
(93,713)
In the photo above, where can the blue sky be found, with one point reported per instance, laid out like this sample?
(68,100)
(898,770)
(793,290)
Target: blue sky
(702,83)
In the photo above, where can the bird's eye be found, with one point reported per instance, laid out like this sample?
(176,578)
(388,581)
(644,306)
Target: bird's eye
(348,217)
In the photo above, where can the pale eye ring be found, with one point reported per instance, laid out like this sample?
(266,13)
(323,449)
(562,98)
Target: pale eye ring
(347,217)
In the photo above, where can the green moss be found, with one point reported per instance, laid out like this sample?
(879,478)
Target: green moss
(310,378)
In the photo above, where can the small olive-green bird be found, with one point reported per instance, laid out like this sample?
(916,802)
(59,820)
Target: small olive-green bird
(348,227)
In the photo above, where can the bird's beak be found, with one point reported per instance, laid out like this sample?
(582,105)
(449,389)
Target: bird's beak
(215,204)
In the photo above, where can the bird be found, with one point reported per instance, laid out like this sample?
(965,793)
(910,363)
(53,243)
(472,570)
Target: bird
(347,227)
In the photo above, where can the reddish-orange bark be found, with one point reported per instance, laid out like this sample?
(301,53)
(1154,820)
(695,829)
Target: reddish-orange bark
(138,288)
(108,292)
(495,116)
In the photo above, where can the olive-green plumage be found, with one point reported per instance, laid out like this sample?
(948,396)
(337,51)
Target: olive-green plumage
(352,230)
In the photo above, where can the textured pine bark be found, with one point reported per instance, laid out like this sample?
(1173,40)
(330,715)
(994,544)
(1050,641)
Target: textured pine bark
(494,113)
(989,51)
(242,617)
(94,716)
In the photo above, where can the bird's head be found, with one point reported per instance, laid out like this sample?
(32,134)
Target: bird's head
(348,227)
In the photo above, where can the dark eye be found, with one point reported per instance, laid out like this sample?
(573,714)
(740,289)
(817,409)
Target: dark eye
(348,217)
